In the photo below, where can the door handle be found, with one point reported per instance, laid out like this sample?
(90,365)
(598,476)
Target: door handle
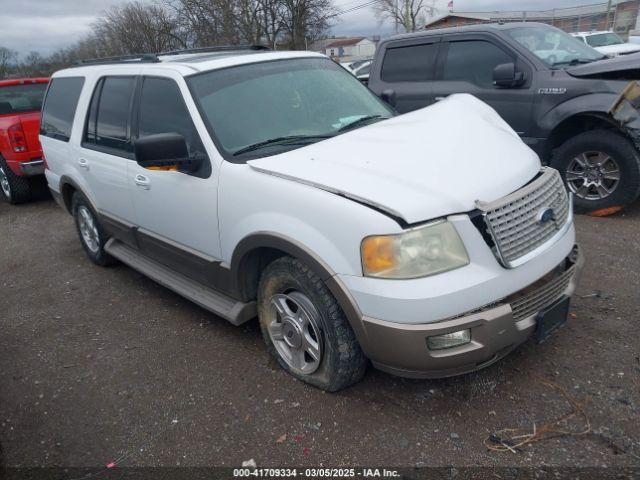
(439,99)
(142,182)
(83,163)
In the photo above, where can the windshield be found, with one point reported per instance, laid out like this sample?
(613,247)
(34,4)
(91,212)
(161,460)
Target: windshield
(21,98)
(554,47)
(265,108)
(604,39)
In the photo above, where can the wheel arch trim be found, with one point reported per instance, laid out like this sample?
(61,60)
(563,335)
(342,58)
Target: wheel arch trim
(65,182)
(292,247)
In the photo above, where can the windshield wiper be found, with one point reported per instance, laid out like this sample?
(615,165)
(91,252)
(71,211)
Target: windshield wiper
(289,139)
(360,121)
(575,61)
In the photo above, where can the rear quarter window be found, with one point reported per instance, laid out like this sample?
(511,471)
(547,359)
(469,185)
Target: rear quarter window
(60,107)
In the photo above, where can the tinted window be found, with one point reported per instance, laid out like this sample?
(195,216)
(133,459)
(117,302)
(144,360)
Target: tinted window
(410,64)
(113,108)
(162,110)
(365,70)
(60,107)
(21,98)
(474,61)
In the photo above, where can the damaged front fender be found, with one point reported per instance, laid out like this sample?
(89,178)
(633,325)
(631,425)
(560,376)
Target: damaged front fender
(626,111)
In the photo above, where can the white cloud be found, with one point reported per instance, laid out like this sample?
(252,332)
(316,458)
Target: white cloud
(43,34)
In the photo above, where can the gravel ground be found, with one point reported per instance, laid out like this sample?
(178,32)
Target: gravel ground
(98,363)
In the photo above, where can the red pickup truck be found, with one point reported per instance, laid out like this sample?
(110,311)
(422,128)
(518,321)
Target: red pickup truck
(20,151)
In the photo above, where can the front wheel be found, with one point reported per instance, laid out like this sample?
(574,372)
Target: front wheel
(601,168)
(305,329)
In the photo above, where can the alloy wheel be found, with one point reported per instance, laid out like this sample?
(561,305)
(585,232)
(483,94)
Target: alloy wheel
(294,329)
(4,184)
(593,175)
(88,229)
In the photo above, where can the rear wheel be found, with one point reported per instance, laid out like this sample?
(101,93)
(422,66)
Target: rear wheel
(305,329)
(15,189)
(601,168)
(92,236)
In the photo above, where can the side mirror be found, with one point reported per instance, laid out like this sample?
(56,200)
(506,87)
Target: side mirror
(506,76)
(389,96)
(164,150)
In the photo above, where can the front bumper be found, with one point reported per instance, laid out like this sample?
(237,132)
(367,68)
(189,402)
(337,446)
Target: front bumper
(401,349)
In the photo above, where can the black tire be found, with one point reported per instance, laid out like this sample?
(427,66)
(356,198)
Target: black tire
(79,206)
(19,188)
(342,361)
(620,149)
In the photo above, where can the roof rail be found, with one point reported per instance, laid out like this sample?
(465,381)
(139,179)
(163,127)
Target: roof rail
(141,57)
(153,57)
(216,48)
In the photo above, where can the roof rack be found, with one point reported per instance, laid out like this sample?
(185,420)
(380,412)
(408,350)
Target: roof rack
(216,48)
(154,57)
(142,58)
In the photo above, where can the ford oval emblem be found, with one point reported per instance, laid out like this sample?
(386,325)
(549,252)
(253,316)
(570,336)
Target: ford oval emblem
(546,215)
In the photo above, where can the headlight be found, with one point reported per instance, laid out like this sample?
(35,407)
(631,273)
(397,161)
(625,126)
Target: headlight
(422,251)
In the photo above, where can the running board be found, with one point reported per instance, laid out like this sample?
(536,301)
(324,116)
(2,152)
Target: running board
(232,310)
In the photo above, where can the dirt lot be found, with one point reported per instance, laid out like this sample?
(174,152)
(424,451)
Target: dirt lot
(102,363)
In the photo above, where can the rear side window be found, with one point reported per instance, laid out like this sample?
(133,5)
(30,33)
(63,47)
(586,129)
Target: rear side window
(162,110)
(21,98)
(109,112)
(473,61)
(415,63)
(60,107)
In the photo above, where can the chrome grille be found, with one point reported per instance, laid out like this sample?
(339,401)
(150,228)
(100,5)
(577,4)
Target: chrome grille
(515,222)
(528,304)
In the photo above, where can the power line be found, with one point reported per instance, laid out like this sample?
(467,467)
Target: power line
(354,8)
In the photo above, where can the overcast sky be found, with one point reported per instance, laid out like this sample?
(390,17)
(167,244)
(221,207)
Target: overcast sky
(45,25)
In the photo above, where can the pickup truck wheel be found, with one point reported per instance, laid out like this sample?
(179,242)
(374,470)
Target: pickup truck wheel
(305,328)
(14,188)
(601,168)
(92,236)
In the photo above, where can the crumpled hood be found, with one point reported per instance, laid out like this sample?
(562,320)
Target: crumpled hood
(422,165)
(628,65)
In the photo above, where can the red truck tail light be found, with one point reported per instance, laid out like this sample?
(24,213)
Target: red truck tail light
(16,138)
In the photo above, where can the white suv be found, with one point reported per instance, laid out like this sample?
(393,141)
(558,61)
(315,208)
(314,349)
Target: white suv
(274,184)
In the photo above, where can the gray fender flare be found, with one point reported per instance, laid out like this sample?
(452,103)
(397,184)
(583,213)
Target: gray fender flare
(297,250)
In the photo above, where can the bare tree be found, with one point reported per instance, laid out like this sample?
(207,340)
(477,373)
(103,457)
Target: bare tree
(304,21)
(135,27)
(33,65)
(214,22)
(7,60)
(208,22)
(272,16)
(410,14)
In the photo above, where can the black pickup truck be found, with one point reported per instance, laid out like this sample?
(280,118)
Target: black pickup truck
(555,91)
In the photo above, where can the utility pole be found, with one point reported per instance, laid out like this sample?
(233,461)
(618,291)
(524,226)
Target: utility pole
(395,7)
(609,15)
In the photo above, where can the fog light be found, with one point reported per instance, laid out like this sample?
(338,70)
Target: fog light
(449,340)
